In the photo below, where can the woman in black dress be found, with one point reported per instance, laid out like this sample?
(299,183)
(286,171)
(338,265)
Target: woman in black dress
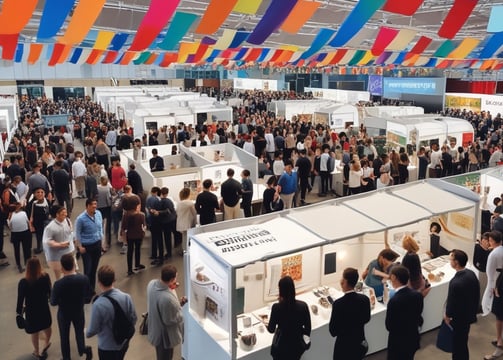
(33,294)
(293,320)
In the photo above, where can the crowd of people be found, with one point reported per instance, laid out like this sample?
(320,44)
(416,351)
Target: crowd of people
(295,155)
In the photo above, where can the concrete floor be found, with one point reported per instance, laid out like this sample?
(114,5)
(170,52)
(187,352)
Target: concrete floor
(16,345)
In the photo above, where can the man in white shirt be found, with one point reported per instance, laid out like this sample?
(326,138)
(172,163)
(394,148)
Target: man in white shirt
(111,140)
(270,147)
(79,174)
(435,166)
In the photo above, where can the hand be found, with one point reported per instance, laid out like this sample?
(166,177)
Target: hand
(447,320)
(82,249)
(183,300)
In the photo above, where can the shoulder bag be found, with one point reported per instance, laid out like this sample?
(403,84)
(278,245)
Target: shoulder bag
(275,346)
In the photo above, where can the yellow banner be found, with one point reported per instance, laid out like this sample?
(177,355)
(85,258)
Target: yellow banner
(247,6)
(185,50)
(103,40)
(366,58)
(461,102)
(465,48)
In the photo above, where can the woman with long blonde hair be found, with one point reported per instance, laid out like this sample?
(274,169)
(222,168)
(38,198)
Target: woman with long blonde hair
(34,291)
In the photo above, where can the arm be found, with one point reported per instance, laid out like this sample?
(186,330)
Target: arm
(273,321)
(55,294)
(95,325)
(20,297)
(307,320)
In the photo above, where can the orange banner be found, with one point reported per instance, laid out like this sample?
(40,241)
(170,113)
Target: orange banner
(14,17)
(302,12)
(35,51)
(216,13)
(84,16)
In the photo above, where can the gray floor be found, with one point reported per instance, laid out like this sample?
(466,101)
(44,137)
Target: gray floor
(15,344)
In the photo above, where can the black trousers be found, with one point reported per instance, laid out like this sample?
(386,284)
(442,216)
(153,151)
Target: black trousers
(22,238)
(64,200)
(460,341)
(113,354)
(133,245)
(91,259)
(64,322)
(304,184)
(324,181)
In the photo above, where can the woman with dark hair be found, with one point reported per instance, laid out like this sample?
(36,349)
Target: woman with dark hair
(292,319)
(271,200)
(33,295)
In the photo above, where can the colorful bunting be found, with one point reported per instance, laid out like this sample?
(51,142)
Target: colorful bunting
(249,7)
(381,60)
(177,29)
(156,18)
(94,56)
(404,7)
(492,45)
(383,39)
(495,24)
(103,40)
(457,16)
(445,49)
(76,55)
(185,50)
(84,56)
(168,59)
(142,58)
(338,56)
(347,57)
(225,40)
(19,53)
(263,55)
(402,40)
(463,49)
(241,53)
(57,51)
(127,57)
(201,53)
(321,39)
(366,58)
(14,17)
(360,14)
(208,40)
(274,16)
(85,14)
(35,51)
(216,13)
(53,17)
(8,42)
(239,38)
(420,46)
(110,57)
(118,41)
(301,13)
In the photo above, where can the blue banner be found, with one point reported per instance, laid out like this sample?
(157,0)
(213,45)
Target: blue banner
(375,85)
(394,87)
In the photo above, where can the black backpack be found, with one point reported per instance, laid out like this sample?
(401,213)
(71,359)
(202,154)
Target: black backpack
(122,328)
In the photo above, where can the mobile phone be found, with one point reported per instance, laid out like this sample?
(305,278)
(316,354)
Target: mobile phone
(330,299)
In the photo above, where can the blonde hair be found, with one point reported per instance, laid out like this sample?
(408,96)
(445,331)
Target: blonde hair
(409,244)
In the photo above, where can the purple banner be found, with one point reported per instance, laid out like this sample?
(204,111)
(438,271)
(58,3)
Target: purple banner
(375,85)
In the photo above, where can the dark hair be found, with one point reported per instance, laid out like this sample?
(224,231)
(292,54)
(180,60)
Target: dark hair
(106,275)
(67,262)
(56,209)
(168,272)
(33,269)
(351,276)
(207,183)
(288,162)
(184,193)
(496,236)
(164,190)
(272,180)
(154,151)
(89,201)
(388,254)
(132,166)
(460,256)
(246,172)
(230,172)
(286,290)
(156,189)
(401,273)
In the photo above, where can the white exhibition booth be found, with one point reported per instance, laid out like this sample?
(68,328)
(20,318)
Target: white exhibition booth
(393,111)
(8,120)
(342,96)
(299,108)
(232,268)
(474,102)
(255,84)
(338,116)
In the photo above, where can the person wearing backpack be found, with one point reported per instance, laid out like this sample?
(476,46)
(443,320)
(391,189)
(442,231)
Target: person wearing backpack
(113,317)
(165,319)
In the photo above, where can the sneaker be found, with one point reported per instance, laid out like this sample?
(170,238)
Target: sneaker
(123,249)
(38,251)
(139,267)
(88,352)
(129,273)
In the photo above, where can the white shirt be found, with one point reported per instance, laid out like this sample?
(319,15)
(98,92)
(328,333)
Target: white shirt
(494,261)
(324,161)
(435,159)
(78,168)
(249,147)
(270,147)
(18,221)
(355,178)
(111,138)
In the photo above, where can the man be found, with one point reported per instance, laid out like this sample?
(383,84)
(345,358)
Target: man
(462,304)
(156,162)
(287,184)
(163,224)
(79,174)
(324,169)
(61,182)
(492,302)
(303,166)
(71,293)
(88,236)
(111,140)
(435,166)
(103,313)
(165,319)
(495,158)
(207,204)
(231,192)
(134,179)
(403,317)
(37,180)
(57,238)
(350,313)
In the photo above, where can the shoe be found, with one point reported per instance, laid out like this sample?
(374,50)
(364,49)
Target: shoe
(167,256)
(139,267)
(38,251)
(89,353)
(154,262)
(152,257)
(130,273)
(495,344)
(21,269)
(44,350)
(6,263)
(123,249)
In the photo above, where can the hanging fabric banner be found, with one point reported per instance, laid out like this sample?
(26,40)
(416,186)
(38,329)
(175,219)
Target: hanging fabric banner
(208,40)
(329,56)
(383,39)
(430,63)
(202,50)
(225,40)
(301,13)
(407,7)
(463,49)
(168,59)
(347,57)
(185,50)
(177,29)
(274,16)
(8,42)
(402,40)
(94,56)
(213,55)
(127,57)
(410,59)
(118,41)
(241,53)
(383,57)
(391,59)
(151,59)
(85,14)
(65,53)
(359,54)
(19,53)
(77,52)
(253,55)
(366,59)
(444,64)
(249,7)
(53,17)
(323,37)
(156,18)
(263,55)
(455,19)
(495,24)
(57,50)
(277,54)
(14,17)
(35,51)
(445,49)
(84,56)
(239,38)
(360,14)
(420,46)
(422,61)
(492,45)
(103,40)
(216,13)
(338,56)
(110,57)
(142,58)
(487,64)
(285,56)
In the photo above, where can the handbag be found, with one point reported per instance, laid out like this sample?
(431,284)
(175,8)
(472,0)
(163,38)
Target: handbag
(363,347)
(20,321)
(144,324)
(275,346)
(445,337)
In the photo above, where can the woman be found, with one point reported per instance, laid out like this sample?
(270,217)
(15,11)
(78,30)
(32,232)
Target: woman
(33,294)
(20,234)
(367,176)
(271,200)
(377,271)
(132,231)
(403,171)
(395,160)
(58,239)
(186,215)
(38,210)
(118,177)
(292,318)
(104,200)
(355,177)
(412,262)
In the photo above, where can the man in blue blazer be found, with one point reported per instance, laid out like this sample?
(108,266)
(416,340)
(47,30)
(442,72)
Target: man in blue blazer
(350,313)
(403,317)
